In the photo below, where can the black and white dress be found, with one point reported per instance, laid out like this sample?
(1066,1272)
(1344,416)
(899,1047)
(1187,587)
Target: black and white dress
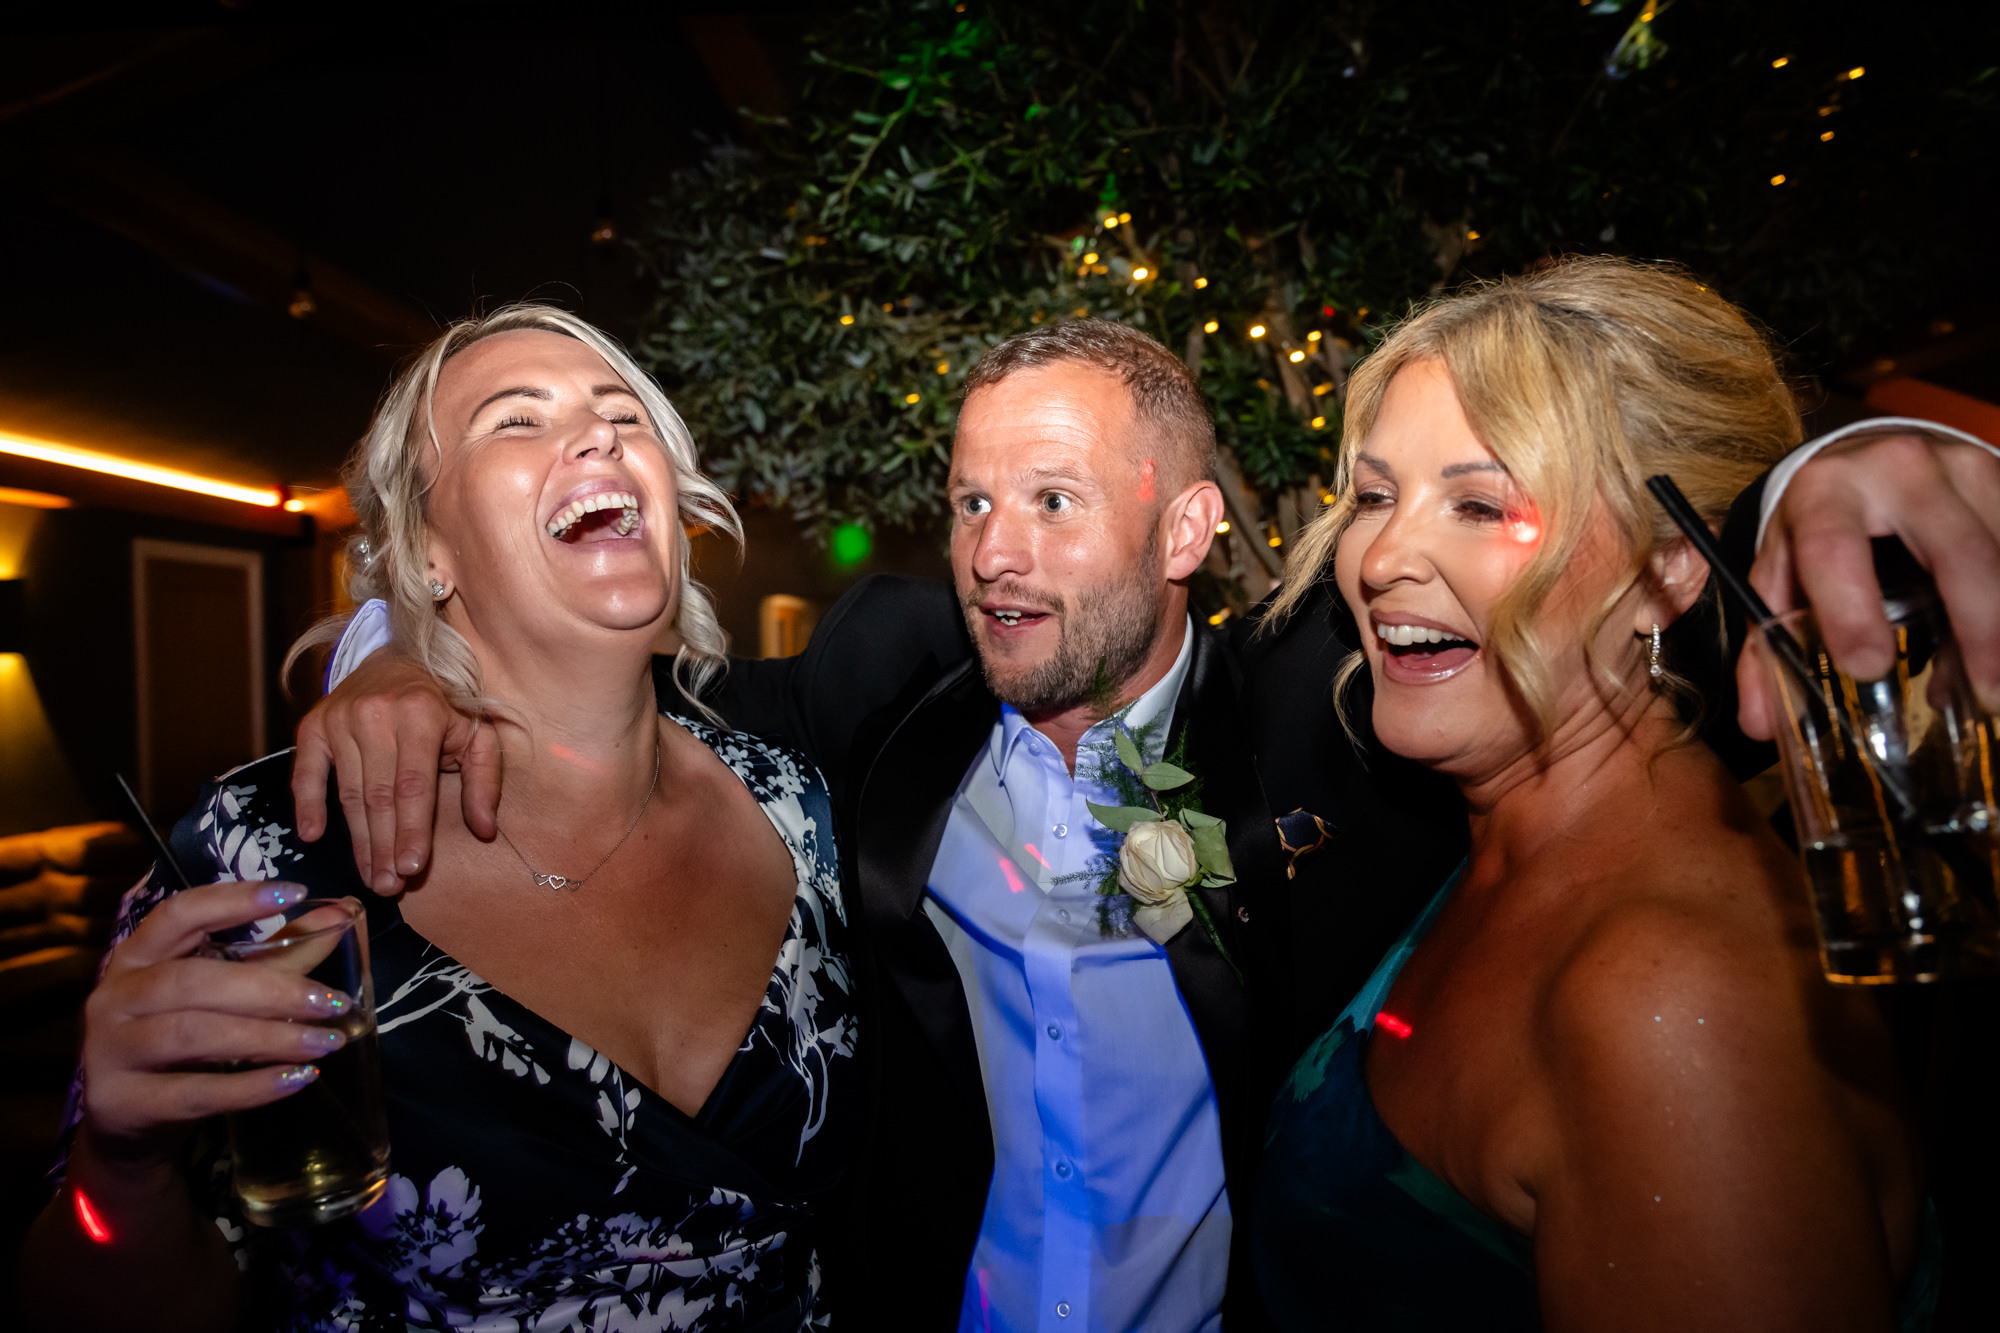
(534,1184)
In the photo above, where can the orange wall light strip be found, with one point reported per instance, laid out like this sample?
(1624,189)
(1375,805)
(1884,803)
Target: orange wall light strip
(264,496)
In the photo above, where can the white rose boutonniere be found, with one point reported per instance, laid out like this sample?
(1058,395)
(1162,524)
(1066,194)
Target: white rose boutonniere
(1171,847)
(1155,868)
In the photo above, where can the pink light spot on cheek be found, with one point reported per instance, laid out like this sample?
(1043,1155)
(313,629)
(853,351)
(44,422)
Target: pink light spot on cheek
(1146,481)
(1526,529)
(1014,882)
(1392,1025)
(1031,850)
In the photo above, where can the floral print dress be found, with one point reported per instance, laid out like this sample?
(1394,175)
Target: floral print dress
(534,1184)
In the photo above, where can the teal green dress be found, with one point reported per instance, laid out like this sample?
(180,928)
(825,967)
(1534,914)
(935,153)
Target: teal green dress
(1353,1233)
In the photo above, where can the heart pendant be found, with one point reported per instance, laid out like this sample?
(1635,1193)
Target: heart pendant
(552,881)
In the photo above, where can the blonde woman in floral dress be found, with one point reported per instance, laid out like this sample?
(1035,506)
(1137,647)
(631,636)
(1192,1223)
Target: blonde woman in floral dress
(616,1039)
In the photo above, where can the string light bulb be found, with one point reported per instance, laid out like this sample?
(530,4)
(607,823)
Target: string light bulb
(1857,72)
(1781,62)
(1319,423)
(1322,390)
(847,319)
(1778,179)
(944,367)
(1210,327)
(1296,357)
(1090,258)
(1127,217)
(1111,220)
(913,398)
(1471,235)
(1826,136)
(1222,527)
(1200,283)
(1141,274)
(1314,336)
(1256,330)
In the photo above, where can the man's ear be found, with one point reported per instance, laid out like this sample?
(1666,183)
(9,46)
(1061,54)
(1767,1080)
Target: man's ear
(1674,578)
(1190,520)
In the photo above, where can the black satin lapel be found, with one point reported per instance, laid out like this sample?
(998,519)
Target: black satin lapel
(904,805)
(1207,718)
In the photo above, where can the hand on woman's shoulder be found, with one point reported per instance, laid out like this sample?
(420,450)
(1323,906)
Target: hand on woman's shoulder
(1726,1146)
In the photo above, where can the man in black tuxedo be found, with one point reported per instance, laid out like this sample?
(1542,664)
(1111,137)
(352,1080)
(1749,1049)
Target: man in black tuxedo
(1082,422)
(1083,496)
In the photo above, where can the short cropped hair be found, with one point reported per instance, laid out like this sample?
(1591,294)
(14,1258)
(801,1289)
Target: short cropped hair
(393,467)
(1165,394)
(1584,378)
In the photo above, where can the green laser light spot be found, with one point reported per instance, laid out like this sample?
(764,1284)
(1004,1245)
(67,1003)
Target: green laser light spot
(851,544)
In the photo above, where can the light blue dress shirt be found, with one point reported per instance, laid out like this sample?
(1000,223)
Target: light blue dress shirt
(1107,1209)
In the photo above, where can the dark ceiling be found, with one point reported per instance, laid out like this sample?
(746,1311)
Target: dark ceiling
(169,171)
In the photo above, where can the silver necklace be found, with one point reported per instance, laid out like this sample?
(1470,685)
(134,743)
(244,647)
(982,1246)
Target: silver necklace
(563,882)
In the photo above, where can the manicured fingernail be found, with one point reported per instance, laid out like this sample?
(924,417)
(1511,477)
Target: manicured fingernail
(329,1002)
(279,895)
(410,865)
(322,1041)
(297,1077)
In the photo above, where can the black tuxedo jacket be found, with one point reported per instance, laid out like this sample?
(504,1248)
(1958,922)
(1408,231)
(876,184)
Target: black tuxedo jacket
(889,700)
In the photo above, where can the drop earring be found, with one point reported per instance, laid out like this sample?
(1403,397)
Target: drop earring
(1655,669)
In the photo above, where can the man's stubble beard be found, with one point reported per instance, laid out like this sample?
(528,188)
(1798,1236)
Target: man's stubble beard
(1102,640)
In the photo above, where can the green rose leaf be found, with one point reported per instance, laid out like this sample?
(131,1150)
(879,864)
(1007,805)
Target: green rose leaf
(1164,776)
(1196,819)
(1128,753)
(1120,818)
(1211,849)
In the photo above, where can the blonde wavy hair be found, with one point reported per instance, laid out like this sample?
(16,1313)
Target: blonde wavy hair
(394,465)
(1583,378)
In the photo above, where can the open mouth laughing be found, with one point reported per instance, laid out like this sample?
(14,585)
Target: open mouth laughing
(596,511)
(1418,651)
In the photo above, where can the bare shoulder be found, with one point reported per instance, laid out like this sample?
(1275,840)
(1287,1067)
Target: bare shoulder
(1703,934)
(1723,1125)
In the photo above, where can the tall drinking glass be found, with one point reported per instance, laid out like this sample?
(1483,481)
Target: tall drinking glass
(1892,794)
(322,1152)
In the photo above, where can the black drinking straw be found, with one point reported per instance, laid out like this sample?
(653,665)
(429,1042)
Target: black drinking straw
(1777,636)
(159,843)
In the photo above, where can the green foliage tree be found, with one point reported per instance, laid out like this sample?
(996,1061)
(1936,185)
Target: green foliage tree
(1263,186)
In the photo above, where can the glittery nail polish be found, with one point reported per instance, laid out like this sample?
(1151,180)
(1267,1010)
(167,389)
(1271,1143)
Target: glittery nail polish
(297,1077)
(331,1003)
(323,1041)
(280,895)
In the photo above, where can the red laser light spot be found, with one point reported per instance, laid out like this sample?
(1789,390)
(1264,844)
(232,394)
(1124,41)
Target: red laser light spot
(93,1225)
(1146,482)
(1392,1025)
(1030,848)
(1014,884)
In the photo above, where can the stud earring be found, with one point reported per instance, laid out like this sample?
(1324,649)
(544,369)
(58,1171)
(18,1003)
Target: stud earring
(1656,670)
(437,591)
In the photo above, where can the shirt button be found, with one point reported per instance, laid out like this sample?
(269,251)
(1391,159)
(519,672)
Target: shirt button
(1243,915)
(1062,1309)
(1055,1033)
(1062,1170)
(1062,830)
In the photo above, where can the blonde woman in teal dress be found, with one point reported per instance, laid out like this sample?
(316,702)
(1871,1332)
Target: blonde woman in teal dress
(1601,1082)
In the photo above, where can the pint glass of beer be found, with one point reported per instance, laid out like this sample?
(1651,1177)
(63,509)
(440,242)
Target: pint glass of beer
(323,1152)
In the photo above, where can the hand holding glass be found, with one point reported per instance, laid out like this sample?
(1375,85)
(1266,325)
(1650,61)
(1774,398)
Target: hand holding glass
(322,1152)
(1892,793)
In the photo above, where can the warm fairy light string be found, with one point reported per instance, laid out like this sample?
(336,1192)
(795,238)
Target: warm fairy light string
(262,496)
